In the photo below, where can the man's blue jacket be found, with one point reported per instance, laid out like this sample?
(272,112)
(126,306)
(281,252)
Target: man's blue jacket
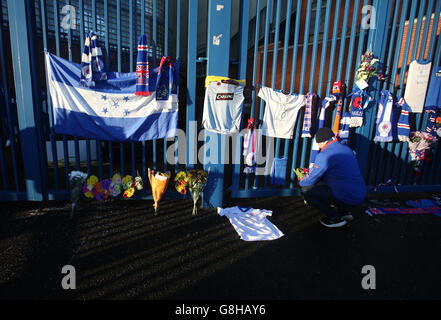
(337,166)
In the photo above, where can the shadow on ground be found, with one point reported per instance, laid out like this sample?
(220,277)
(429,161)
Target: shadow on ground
(120,250)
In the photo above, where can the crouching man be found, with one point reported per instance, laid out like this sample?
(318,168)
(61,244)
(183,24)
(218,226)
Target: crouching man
(334,184)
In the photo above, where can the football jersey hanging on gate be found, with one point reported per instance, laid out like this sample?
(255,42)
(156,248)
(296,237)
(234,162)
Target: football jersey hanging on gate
(223,106)
(280,112)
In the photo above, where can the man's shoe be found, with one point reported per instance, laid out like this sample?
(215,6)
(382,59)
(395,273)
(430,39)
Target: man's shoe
(348,216)
(333,222)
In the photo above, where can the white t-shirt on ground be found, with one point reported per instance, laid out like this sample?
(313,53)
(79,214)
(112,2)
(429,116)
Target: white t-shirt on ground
(280,112)
(251,224)
(223,107)
(416,86)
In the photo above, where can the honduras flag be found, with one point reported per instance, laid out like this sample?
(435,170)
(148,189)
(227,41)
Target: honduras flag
(111,110)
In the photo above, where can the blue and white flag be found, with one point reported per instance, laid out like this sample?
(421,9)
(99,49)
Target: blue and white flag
(111,110)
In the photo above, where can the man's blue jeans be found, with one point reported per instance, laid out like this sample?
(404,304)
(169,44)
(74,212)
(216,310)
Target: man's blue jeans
(321,197)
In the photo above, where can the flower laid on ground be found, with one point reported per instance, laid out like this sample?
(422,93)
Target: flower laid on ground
(197,180)
(158,182)
(419,145)
(366,70)
(115,185)
(300,172)
(101,190)
(89,185)
(127,182)
(129,193)
(76,179)
(181,182)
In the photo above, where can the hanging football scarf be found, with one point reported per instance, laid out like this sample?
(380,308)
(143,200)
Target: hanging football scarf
(165,79)
(321,123)
(431,120)
(309,111)
(385,126)
(337,90)
(343,132)
(403,128)
(356,109)
(92,65)
(142,67)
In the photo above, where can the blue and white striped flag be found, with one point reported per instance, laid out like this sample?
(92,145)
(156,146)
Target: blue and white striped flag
(110,110)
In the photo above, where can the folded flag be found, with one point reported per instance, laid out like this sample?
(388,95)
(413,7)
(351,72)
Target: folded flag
(110,111)
(403,127)
(142,67)
(92,65)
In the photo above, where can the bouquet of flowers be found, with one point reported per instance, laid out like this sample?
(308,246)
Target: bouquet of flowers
(367,70)
(89,185)
(300,173)
(158,182)
(101,190)
(76,179)
(419,145)
(195,181)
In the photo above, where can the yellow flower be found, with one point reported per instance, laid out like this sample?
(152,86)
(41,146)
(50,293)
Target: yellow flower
(115,177)
(93,180)
(181,176)
(127,179)
(89,194)
(129,192)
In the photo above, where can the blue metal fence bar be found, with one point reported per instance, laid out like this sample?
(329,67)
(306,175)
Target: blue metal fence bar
(285,60)
(341,55)
(428,168)
(191,156)
(131,52)
(8,107)
(342,48)
(333,47)
(107,63)
(324,48)
(378,47)
(263,79)
(49,101)
(393,74)
(430,51)
(351,44)
(144,169)
(165,54)
(178,48)
(404,64)
(243,51)
(3,166)
(293,78)
(355,143)
(218,65)
(273,82)
(57,49)
(274,68)
(420,118)
(25,90)
(389,148)
(312,72)
(253,83)
(154,36)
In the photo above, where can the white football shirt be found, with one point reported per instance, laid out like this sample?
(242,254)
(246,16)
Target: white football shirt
(280,112)
(251,224)
(223,108)
(416,86)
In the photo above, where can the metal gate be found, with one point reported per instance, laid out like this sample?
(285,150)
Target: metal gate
(296,46)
